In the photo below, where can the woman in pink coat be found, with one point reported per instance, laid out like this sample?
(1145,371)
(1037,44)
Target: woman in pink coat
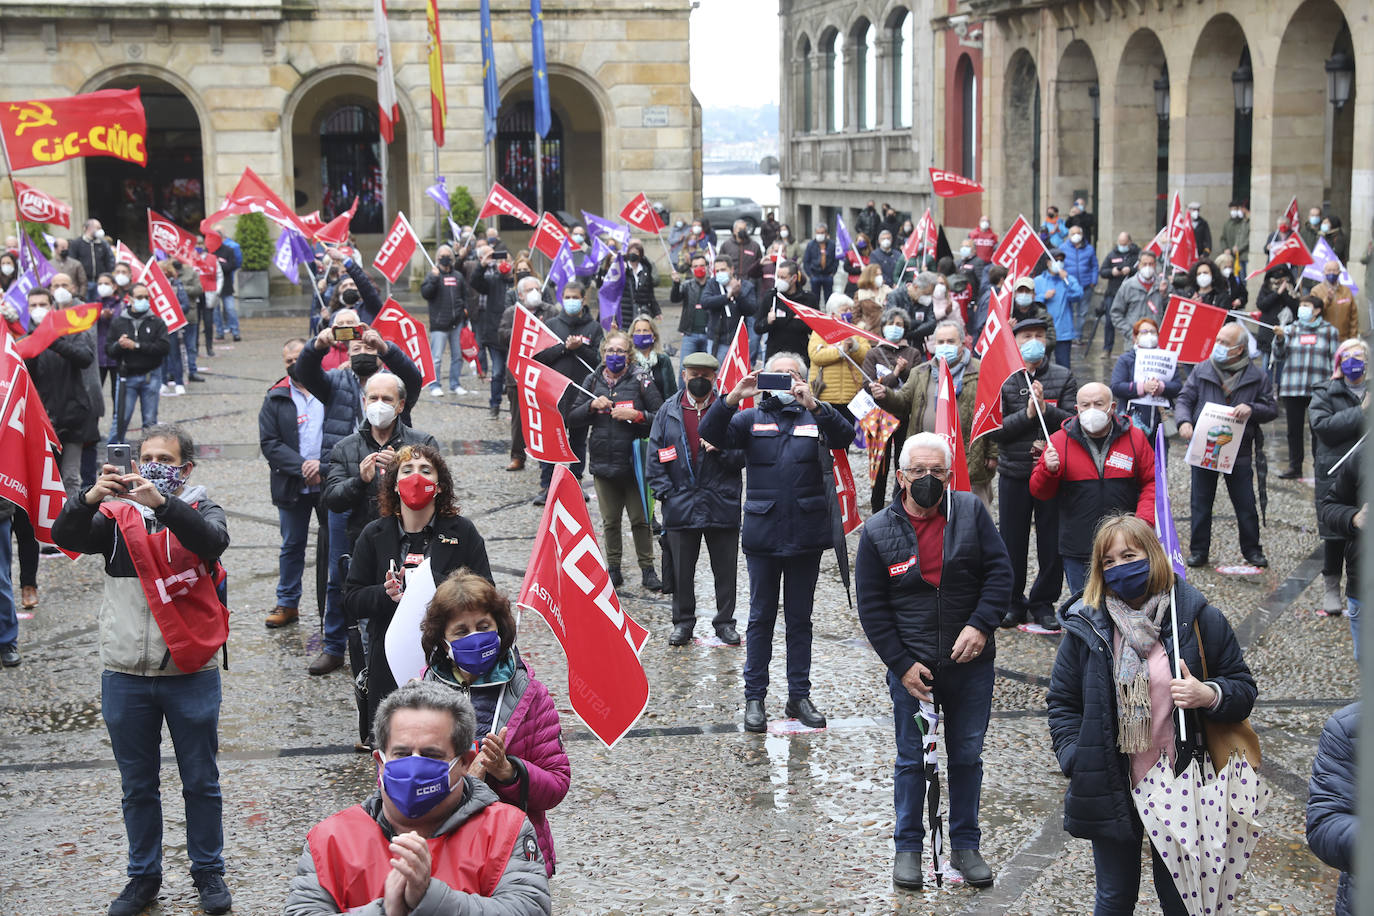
(468,636)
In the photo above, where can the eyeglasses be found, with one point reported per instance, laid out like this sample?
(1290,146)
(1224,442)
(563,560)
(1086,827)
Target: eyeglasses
(918,472)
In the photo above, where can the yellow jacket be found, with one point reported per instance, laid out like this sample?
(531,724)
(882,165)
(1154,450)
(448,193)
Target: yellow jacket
(842,380)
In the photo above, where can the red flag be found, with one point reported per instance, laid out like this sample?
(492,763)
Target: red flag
(1291,214)
(832,330)
(110,122)
(335,232)
(922,239)
(540,387)
(1190,328)
(1001,359)
(549,235)
(122,253)
(568,585)
(1019,251)
(57,323)
(164,298)
(736,364)
(1156,246)
(31,479)
(1290,251)
(500,201)
(312,222)
(396,326)
(169,238)
(251,195)
(952,184)
(846,491)
(397,249)
(1182,242)
(207,266)
(947,426)
(999,303)
(467,345)
(641,214)
(40,207)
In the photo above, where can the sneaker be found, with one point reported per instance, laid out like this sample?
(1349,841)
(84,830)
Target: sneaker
(214,895)
(460,391)
(168,390)
(181,389)
(136,896)
(436,392)
(9,656)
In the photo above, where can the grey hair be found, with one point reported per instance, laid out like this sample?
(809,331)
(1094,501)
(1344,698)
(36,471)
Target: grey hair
(428,695)
(925,440)
(781,355)
(951,323)
(897,313)
(529,283)
(400,386)
(837,303)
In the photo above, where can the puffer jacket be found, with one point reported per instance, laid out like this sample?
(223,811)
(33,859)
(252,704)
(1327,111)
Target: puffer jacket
(344,488)
(1332,822)
(522,891)
(577,362)
(787,506)
(534,743)
(842,380)
(1087,493)
(905,618)
(1083,714)
(910,401)
(130,640)
(1336,511)
(1337,421)
(611,442)
(342,392)
(59,374)
(447,295)
(1019,429)
(1081,263)
(694,495)
(1256,388)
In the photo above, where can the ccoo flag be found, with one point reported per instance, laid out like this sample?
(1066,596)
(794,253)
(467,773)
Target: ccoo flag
(438,102)
(542,119)
(491,99)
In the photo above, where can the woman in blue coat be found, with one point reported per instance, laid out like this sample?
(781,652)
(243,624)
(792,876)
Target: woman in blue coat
(1113,696)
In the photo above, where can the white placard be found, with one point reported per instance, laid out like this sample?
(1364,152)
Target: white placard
(403,652)
(1160,364)
(862,404)
(1217,434)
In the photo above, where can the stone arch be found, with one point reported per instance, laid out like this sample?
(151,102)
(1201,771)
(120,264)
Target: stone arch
(1212,126)
(1137,136)
(1073,137)
(1021,137)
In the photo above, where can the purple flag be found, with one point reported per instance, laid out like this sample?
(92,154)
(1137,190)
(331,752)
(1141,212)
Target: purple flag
(842,235)
(1164,512)
(31,259)
(562,270)
(611,289)
(18,294)
(438,192)
(599,225)
(292,251)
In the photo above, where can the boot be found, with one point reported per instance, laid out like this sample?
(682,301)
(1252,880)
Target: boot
(1331,597)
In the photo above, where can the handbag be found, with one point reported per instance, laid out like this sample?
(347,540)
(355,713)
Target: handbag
(1227,738)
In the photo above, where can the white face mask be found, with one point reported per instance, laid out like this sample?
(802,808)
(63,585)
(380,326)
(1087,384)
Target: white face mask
(821,239)
(1236,214)
(100,233)
(1146,340)
(1204,281)
(1147,272)
(940,290)
(37,314)
(782,286)
(885,244)
(1024,299)
(105,290)
(983,224)
(1076,239)
(122,279)
(1093,420)
(533,299)
(784,234)
(965,252)
(7,269)
(1226,272)
(380,413)
(61,295)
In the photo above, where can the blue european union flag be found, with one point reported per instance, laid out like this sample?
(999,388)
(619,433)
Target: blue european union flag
(491,100)
(542,118)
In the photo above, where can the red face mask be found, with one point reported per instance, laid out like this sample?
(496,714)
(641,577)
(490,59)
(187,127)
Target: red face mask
(699,272)
(503,267)
(417,491)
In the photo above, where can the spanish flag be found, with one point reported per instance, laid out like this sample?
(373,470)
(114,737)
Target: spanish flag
(438,102)
(57,323)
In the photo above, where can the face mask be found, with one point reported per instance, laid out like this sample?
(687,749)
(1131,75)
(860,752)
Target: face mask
(100,233)
(742,235)
(417,490)
(1124,249)
(785,397)
(578,237)
(722,277)
(1314,221)
(416,784)
(1235,214)
(1326,227)
(1024,299)
(350,297)
(939,291)
(446,261)
(139,306)
(847,317)
(168,478)
(1332,279)
(632,257)
(965,252)
(1129,580)
(121,279)
(1353,368)
(7,269)
(784,234)
(1146,341)
(696,230)
(61,295)
(821,239)
(885,244)
(1147,272)
(615,363)
(860,244)
(699,272)
(1032,351)
(521,274)
(783,286)
(1193,215)
(572,306)
(1305,314)
(893,332)
(363,364)
(1226,272)
(983,224)
(533,299)
(1219,353)
(948,352)
(1093,420)
(926,491)
(1076,239)
(1204,281)
(477,653)
(105,290)
(698,387)
(380,414)
(923,300)
(37,314)
(643,341)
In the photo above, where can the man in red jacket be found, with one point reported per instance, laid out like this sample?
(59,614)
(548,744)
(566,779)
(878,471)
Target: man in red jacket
(1097,463)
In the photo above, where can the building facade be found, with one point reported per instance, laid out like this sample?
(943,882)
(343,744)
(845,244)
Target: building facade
(288,87)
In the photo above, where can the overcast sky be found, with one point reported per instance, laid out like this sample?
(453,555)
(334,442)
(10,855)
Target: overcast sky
(735,53)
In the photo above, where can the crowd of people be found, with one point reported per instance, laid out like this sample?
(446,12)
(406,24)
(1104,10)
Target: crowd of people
(746,468)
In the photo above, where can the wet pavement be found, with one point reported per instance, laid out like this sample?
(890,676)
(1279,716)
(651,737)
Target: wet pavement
(688,814)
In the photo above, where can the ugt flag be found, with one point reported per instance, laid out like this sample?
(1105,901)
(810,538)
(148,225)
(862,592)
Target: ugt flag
(110,122)
(40,207)
(642,215)
(169,238)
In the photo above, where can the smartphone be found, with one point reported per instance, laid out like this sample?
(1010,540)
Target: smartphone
(776,381)
(346,332)
(120,455)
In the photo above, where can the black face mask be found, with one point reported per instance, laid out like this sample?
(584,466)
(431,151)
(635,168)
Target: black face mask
(350,297)
(291,372)
(926,491)
(446,261)
(363,364)
(632,257)
(698,387)
(742,235)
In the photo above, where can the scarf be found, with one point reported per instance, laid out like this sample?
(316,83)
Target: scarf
(1231,372)
(1139,631)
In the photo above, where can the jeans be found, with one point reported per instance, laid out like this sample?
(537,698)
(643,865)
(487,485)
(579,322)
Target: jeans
(226,316)
(1352,612)
(295,533)
(1017,509)
(1242,498)
(822,287)
(496,366)
(577,439)
(9,617)
(189,343)
(1063,352)
(797,575)
(1118,878)
(335,624)
(723,546)
(438,340)
(692,343)
(964,695)
(69,466)
(1076,573)
(517,432)
(142,390)
(617,496)
(173,365)
(134,708)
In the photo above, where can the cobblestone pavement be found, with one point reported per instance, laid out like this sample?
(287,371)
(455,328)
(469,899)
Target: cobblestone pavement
(688,814)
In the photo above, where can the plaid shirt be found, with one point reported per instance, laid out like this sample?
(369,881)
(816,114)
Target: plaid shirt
(1309,356)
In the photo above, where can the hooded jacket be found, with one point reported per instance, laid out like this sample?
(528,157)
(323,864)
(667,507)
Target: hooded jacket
(1332,821)
(577,362)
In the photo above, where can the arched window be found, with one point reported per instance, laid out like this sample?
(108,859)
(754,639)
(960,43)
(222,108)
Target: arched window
(808,104)
(967,82)
(515,157)
(834,83)
(902,30)
(866,72)
(350,166)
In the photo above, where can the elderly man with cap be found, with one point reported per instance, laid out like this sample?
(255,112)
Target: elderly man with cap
(1340,308)
(699,487)
(1028,411)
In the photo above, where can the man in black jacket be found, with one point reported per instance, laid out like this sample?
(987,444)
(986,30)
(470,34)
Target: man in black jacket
(94,254)
(577,355)
(932,577)
(1117,266)
(59,374)
(445,289)
(742,251)
(492,278)
(786,332)
(699,487)
(1051,398)
(138,343)
(726,299)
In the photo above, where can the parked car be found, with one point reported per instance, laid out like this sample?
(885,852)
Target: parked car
(722,212)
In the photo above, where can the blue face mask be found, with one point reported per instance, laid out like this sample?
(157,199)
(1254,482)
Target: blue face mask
(1129,580)
(1332,279)
(948,352)
(476,653)
(572,306)
(1220,352)
(1032,351)
(1123,248)
(784,397)
(416,784)
(893,332)
(615,362)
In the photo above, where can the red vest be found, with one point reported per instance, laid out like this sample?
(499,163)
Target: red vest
(353,856)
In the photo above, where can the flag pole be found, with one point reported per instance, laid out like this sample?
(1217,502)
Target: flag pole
(1337,465)
(854,364)
(1245,316)
(1178,658)
(14,190)
(1030,383)
(411,230)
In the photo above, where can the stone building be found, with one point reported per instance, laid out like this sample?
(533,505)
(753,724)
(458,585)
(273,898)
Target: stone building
(288,87)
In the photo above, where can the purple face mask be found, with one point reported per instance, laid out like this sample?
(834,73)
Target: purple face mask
(416,784)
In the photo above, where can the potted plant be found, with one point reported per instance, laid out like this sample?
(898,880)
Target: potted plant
(250,284)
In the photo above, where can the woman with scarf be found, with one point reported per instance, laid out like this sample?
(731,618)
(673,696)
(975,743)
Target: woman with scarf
(1127,390)
(1307,349)
(1337,417)
(417,520)
(468,637)
(1114,694)
(649,355)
